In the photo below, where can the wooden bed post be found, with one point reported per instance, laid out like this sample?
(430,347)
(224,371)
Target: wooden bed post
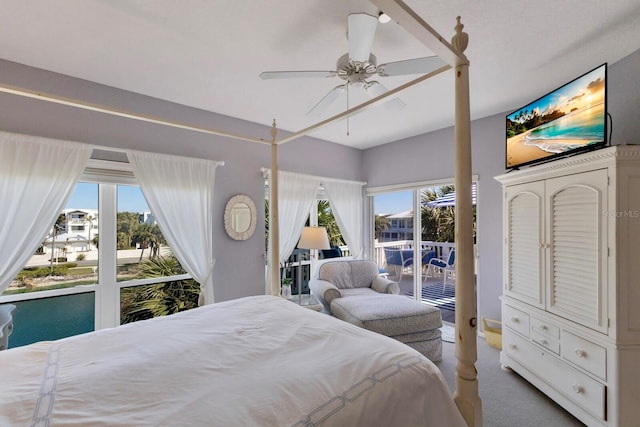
(274,225)
(466,394)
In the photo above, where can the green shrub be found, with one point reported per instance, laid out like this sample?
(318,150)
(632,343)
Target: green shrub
(33,272)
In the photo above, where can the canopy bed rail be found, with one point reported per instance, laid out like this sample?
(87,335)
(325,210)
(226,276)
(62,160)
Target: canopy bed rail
(466,394)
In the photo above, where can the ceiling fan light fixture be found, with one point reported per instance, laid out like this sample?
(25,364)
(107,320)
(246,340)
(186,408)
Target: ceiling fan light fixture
(383,18)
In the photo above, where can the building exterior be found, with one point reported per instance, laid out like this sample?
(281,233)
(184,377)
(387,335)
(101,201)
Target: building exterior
(82,222)
(400,227)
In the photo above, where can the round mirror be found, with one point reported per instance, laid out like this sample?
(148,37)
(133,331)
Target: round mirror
(240,217)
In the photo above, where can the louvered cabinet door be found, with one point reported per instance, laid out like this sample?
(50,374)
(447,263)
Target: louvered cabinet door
(523,238)
(577,247)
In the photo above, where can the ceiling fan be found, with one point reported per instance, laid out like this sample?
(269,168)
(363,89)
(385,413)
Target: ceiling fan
(358,65)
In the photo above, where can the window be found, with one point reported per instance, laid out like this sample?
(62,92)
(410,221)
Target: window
(394,225)
(144,255)
(105,243)
(298,267)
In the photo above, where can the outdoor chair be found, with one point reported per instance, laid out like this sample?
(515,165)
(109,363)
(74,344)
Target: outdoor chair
(445,268)
(398,259)
(333,252)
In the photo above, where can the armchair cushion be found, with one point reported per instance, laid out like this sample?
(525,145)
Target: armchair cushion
(349,274)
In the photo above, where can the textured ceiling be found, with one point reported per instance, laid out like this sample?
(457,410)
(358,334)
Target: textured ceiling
(209,53)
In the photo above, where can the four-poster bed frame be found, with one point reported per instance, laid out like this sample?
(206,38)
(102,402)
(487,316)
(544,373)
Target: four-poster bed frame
(466,393)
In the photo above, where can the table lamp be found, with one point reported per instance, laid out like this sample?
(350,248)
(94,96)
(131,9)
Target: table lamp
(311,238)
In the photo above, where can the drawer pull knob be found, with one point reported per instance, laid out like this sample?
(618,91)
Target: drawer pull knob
(543,327)
(515,320)
(578,389)
(581,353)
(544,342)
(512,346)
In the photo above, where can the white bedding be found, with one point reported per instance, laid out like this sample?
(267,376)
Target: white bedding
(256,361)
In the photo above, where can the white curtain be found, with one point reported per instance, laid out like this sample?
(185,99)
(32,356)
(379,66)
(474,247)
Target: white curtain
(346,203)
(37,176)
(179,191)
(296,194)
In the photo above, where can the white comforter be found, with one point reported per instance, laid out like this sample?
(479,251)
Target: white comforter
(257,361)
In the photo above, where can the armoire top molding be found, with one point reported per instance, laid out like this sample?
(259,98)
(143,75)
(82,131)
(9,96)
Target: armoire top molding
(615,153)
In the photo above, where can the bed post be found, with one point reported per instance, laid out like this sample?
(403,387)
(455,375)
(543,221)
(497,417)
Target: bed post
(466,394)
(274,225)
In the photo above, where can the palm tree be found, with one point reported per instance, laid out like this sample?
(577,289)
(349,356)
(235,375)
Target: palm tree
(126,225)
(438,223)
(145,302)
(382,223)
(147,235)
(327,220)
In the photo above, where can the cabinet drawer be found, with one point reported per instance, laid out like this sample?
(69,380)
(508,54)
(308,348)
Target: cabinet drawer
(585,354)
(584,391)
(545,328)
(550,344)
(516,319)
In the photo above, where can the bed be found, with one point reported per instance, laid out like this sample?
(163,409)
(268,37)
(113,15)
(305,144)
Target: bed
(254,361)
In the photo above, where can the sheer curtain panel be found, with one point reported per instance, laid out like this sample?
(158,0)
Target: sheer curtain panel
(37,176)
(346,202)
(296,194)
(179,191)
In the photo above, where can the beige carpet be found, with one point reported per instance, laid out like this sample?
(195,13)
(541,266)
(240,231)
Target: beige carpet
(507,399)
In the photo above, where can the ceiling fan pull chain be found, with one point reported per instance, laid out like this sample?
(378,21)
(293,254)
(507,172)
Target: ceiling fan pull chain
(348,108)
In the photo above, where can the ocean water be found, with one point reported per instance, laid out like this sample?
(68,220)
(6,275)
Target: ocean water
(575,130)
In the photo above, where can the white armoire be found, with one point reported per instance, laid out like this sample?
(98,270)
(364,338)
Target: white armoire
(571,291)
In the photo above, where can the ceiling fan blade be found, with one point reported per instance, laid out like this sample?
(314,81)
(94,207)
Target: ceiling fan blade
(374,89)
(266,75)
(362,29)
(329,99)
(410,66)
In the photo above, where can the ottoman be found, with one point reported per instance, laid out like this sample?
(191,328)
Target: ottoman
(396,316)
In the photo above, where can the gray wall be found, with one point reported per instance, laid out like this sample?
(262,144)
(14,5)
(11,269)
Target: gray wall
(239,269)
(240,265)
(431,156)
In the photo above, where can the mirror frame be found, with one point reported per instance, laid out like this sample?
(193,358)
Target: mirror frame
(228,220)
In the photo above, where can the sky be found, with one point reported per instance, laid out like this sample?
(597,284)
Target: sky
(390,203)
(564,93)
(130,198)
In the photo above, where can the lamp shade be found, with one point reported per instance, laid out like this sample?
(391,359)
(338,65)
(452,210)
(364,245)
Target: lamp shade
(314,238)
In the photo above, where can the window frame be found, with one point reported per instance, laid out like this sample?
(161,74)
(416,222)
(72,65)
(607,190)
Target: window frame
(415,188)
(107,174)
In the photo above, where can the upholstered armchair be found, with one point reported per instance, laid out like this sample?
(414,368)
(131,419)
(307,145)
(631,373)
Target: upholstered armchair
(337,279)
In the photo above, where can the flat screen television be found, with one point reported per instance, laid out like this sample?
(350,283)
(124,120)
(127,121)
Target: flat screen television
(566,121)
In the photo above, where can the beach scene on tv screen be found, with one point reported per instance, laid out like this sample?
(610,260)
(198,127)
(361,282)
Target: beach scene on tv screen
(571,117)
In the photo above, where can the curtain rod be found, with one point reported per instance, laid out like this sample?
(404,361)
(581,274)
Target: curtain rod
(320,178)
(14,90)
